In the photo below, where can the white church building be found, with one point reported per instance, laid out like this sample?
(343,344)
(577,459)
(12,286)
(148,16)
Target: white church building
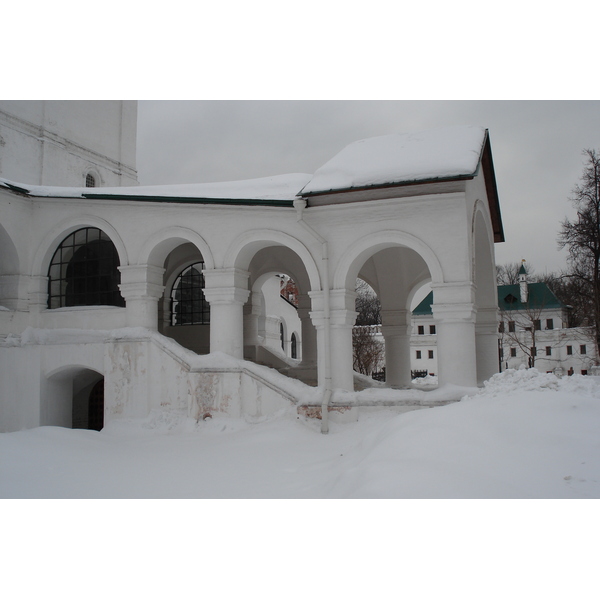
(119,299)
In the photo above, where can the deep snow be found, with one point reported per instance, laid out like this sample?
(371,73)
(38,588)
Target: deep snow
(525,435)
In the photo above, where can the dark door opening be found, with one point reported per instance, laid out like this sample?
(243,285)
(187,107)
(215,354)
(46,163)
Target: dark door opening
(96,407)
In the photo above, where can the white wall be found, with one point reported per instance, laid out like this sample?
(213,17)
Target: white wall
(44,142)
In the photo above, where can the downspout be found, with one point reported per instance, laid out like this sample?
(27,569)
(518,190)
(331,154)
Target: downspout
(300,205)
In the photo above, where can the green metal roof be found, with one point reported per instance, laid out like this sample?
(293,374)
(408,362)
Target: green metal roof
(509,298)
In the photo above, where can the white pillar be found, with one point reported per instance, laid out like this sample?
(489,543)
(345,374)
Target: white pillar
(342,316)
(227,291)
(142,286)
(486,338)
(454,314)
(396,331)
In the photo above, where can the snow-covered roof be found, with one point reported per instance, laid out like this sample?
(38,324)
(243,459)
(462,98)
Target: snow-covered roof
(269,189)
(445,153)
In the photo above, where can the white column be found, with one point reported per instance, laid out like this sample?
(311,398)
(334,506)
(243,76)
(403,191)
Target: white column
(454,314)
(142,286)
(342,319)
(486,338)
(37,293)
(396,333)
(227,291)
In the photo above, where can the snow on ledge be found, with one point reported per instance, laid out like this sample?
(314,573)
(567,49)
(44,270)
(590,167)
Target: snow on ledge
(277,187)
(437,154)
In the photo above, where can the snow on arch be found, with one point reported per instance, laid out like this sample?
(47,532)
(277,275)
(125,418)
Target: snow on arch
(159,244)
(360,251)
(59,232)
(242,250)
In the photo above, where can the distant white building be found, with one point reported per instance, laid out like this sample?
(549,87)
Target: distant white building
(111,295)
(532,331)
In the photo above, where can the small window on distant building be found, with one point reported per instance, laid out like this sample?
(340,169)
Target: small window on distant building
(430,353)
(584,371)
(582,349)
(501,352)
(418,354)
(511,326)
(569,350)
(533,351)
(501,327)
(421,330)
(548,351)
(90,180)
(549,323)
(432,329)
(513,352)
(537,325)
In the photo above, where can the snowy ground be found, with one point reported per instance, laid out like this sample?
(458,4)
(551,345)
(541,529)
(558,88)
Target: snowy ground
(527,435)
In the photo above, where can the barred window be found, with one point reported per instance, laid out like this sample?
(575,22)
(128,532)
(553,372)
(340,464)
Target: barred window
(188,304)
(84,271)
(90,180)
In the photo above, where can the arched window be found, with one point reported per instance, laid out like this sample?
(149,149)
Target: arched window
(90,180)
(84,271)
(188,304)
(282,336)
(294,344)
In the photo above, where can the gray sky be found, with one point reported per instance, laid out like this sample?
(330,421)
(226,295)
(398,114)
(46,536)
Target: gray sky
(536,145)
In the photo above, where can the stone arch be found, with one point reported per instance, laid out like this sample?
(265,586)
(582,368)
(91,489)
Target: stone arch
(57,234)
(245,247)
(358,253)
(161,243)
(73,396)
(175,249)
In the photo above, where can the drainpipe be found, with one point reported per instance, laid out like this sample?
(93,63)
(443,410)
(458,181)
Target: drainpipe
(300,205)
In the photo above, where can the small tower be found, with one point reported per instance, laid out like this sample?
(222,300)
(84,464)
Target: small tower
(523,282)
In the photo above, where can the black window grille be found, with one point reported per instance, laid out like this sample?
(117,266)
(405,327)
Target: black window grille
(188,304)
(84,271)
(90,180)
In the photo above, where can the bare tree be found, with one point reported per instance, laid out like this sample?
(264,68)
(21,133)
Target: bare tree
(367,304)
(581,237)
(520,328)
(368,351)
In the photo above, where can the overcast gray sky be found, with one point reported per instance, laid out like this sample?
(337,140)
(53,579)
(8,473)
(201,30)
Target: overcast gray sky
(536,145)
